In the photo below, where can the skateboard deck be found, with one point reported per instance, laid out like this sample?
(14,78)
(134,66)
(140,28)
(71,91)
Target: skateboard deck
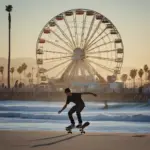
(81,129)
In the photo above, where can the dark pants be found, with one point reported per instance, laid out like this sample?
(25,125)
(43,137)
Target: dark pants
(78,110)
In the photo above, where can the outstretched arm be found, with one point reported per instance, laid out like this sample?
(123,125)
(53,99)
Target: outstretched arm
(89,93)
(62,108)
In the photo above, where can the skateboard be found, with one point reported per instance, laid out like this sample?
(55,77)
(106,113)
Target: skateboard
(81,129)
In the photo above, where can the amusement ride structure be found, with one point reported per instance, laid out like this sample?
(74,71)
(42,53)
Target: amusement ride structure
(79,44)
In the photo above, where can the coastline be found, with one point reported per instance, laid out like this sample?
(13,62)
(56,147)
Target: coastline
(44,140)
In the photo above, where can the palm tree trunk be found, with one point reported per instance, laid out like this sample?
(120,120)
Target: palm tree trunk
(2,77)
(32,75)
(20,77)
(24,73)
(9,51)
(125,84)
(12,79)
(123,87)
(134,84)
(141,81)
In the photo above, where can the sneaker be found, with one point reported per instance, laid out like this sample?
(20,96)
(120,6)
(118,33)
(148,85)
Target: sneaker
(79,126)
(71,126)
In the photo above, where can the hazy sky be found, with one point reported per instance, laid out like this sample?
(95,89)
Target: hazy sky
(131,17)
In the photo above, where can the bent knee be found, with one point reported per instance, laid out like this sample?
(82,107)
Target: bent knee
(78,112)
(70,113)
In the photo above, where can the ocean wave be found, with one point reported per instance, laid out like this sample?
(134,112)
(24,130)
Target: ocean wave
(89,107)
(28,108)
(132,118)
(128,105)
(99,117)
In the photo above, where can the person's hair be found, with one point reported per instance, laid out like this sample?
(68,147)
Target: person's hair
(67,90)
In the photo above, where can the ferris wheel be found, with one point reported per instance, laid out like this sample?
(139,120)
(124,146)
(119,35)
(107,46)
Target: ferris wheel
(79,43)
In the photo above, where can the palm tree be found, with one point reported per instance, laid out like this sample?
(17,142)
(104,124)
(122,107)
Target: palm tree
(140,73)
(129,83)
(146,71)
(133,74)
(29,75)
(2,72)
(124,78)
(12,72)
(9,9)
(32,73)
(24,67)
(20,70)
(37,76)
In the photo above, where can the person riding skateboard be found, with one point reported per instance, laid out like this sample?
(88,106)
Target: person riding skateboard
(78,107)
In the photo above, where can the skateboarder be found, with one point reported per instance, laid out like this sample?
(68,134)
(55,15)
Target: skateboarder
(78,107)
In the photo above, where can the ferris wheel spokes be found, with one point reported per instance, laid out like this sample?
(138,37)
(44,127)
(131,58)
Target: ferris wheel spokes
(52,61)
(104,51)
(63,33)
(71,73)
(85,69)
(66,43)
(82,33)
(62,63)
(91,44)
(90,37)
(102,58)
(99,46)
(57,45)
(95,72)
(102,66)
(75,29)
(89,70)
(54,58)
(90,29)
(67,69)
(55,52)
(66,22)
(60,72)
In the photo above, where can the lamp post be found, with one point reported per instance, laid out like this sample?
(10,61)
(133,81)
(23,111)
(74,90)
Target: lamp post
(9,9)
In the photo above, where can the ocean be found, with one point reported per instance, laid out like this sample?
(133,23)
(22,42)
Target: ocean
(35,115)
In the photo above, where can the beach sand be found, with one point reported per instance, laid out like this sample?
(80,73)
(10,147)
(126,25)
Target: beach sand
(47,140)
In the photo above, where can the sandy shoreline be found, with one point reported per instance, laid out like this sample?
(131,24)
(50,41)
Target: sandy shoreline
(47,140)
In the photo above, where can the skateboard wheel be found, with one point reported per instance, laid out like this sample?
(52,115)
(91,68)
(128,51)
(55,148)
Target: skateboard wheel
(70,132)
(82,133)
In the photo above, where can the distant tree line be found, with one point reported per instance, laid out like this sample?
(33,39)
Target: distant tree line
(21,70)
(134,73)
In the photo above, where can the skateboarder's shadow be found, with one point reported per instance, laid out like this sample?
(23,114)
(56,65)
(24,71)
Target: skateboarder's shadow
(55,142)
(48,138)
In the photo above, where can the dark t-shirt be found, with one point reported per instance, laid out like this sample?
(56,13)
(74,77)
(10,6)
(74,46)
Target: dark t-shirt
(75,98)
